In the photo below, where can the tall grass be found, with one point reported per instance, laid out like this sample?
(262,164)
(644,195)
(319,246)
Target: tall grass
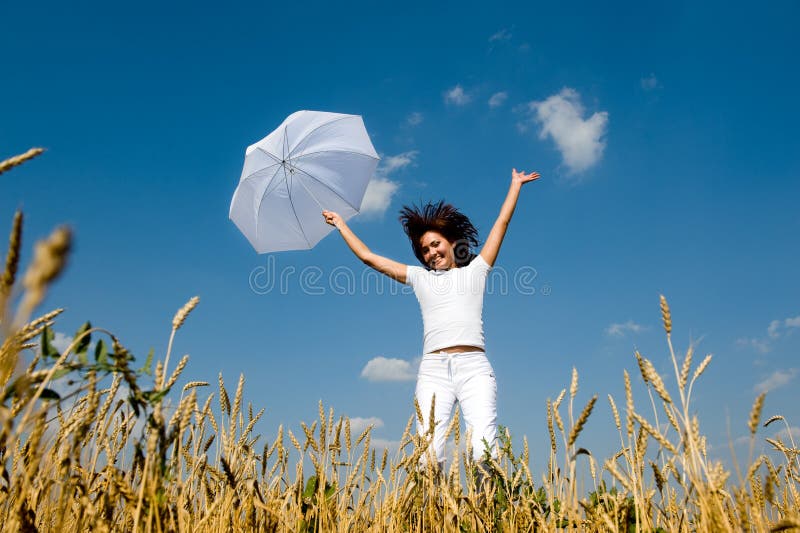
(91,441)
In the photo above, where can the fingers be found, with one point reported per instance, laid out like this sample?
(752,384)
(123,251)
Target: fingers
(330,217)
(522,175)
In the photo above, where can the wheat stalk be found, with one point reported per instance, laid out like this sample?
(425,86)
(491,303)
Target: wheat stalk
(687,363)
(49,260)
(655,433)
(666,317)
(12,162)
(573,385)
(628,404)
(615,412)
(12,261)
(755,413)
(224,401)
(183,312)
(578,427)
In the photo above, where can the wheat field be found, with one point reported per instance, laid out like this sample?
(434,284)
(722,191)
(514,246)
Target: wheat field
(91,439)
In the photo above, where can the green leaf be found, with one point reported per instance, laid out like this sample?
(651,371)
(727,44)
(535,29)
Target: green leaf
(148,363)
(61,372)
(101,352)
(84,338)
(49,394)
(16,387)
(134,405)
(154,396)
(311,487)
(47,344)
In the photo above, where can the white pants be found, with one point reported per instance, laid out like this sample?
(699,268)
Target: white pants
(467,378)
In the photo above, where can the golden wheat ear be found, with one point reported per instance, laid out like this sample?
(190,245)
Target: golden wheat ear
(49,259)
(12,261)
(12,162)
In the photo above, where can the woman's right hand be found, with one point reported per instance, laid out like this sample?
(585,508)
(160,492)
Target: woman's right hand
(332,218)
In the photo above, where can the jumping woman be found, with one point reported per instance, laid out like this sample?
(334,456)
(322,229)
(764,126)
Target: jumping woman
(450,291)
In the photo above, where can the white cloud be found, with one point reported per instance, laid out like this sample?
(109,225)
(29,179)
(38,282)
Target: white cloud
(650,83)
(457,96)
(502,35)
(61,341)
(580,141)
(498,99)
(359,424)
(775,330)
(388,369)
(777,379)
(381,189)
(786,433)
(772,329)
(618,330)
(378,196)
(393,163)
(759,345)
(392,445)
(415,119)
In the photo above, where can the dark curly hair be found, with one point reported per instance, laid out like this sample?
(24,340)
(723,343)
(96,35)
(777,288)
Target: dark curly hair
(445,219)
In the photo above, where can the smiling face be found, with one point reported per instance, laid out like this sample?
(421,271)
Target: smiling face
(437,252)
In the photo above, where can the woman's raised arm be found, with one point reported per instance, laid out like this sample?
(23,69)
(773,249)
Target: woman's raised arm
(393,269)
(492,245)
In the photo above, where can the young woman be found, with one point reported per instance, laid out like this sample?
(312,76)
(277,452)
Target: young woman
(450,291)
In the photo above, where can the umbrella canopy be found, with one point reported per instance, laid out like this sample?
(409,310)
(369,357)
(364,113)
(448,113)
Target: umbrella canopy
(312,162)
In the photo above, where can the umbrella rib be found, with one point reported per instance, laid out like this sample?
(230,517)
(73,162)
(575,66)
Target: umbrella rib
(261,203)
(289,191)
(269,188)
(273,156)
(307,135)
(294,212)
(338,151)
(324,184)
(260,172)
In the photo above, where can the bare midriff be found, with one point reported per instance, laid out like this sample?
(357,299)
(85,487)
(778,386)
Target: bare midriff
(460,349)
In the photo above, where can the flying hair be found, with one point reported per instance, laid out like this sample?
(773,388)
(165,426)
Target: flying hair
(445,219)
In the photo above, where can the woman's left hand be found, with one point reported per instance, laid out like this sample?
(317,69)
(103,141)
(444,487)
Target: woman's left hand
(522,178)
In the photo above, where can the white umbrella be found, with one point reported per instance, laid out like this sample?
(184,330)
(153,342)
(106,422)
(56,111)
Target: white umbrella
(312,162)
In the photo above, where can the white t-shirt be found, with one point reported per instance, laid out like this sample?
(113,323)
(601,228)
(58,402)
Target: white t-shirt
(452,304)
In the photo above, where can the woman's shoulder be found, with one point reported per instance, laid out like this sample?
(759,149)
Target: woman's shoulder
(478,263)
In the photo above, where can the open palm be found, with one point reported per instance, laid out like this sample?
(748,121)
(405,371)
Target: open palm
(520,177)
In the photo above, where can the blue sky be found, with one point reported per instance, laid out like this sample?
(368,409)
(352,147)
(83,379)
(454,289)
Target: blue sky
(666,135)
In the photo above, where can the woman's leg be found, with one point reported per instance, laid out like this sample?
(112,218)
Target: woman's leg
(434,380)
(477,396)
